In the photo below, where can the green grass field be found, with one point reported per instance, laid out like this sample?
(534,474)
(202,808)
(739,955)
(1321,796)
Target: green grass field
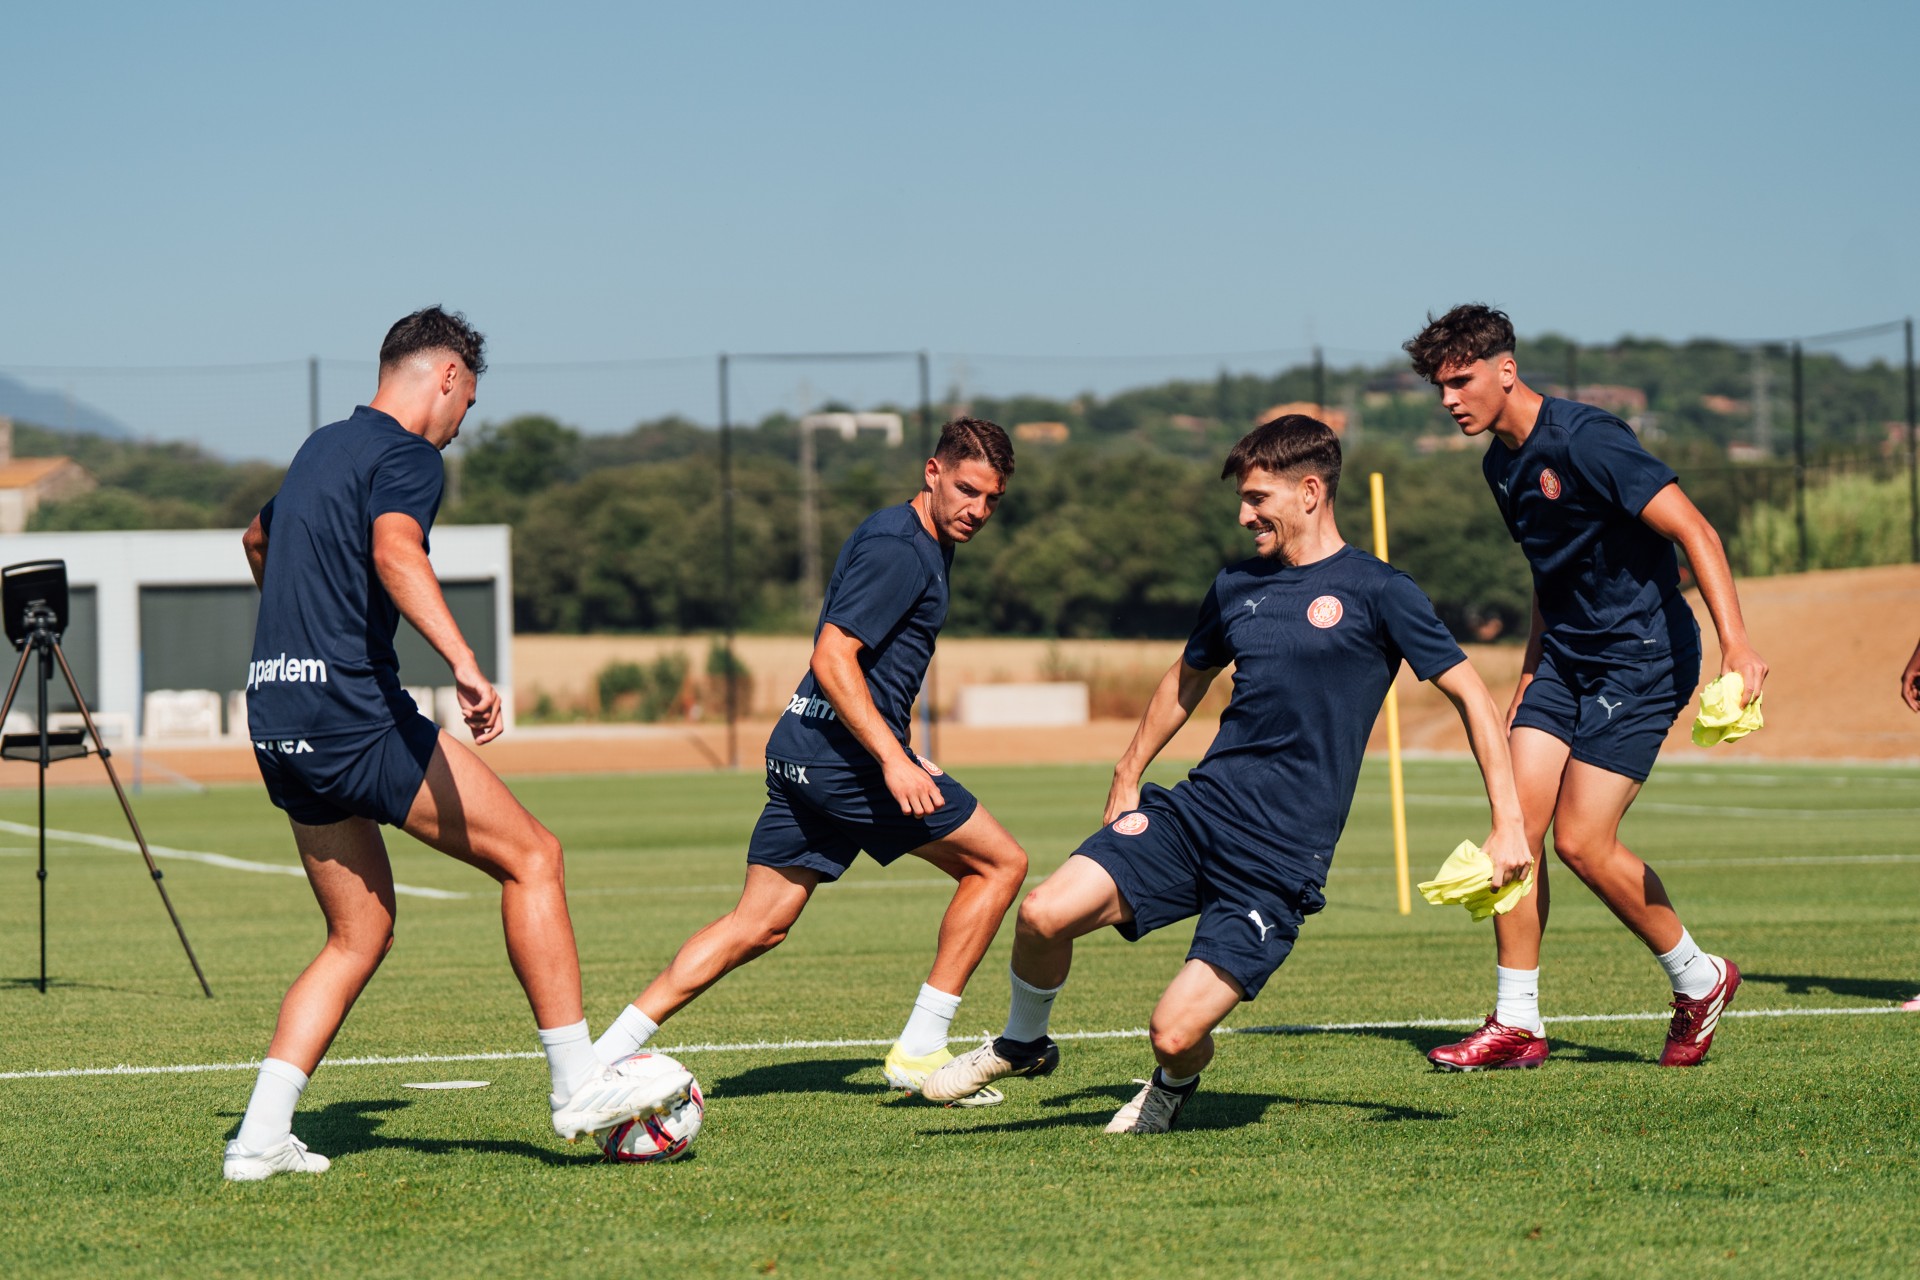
(1794,1151)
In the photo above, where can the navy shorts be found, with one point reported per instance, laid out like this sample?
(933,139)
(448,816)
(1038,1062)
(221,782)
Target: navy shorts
(375,774)
(821,816)
(1167,869)
(1613,712)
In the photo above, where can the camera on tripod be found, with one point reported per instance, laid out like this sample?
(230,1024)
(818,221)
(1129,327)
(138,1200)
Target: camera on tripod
(33,598)
(33,608)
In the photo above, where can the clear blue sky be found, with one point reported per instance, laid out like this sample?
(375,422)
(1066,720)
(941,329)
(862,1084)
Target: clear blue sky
(226,184)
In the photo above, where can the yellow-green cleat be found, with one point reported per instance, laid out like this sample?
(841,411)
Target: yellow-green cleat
(911,1075)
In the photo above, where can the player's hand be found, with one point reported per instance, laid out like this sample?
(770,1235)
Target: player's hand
(912,786)
(1751,666)
(1910,682)
(1508,852)
(1122,797)
(479,704)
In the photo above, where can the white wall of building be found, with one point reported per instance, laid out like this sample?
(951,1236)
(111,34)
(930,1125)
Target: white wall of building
(117,564)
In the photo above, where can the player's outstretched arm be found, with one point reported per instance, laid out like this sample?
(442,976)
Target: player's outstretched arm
(1910,681)
(254,543)
(1672,515)
(836,668)
(1172,704)
(1506,845)
(400,559)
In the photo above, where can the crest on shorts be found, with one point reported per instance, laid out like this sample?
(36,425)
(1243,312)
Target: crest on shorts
(932,768)
(1325,611)
(1131,824)
(1550,483)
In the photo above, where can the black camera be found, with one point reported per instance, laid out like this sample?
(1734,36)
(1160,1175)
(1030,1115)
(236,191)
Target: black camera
(33,597)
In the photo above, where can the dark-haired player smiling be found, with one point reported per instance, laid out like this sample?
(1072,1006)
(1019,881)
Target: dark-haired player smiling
(1315,630)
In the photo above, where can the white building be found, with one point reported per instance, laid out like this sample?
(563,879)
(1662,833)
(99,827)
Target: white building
(172,612)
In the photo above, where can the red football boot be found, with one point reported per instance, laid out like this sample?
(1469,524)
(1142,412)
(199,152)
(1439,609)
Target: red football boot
(1690,1034)
(1494,1047)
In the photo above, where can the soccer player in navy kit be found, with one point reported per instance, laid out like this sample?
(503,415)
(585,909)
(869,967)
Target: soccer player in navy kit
(340,554)
(1611,662)
(1315,630)
(841,777)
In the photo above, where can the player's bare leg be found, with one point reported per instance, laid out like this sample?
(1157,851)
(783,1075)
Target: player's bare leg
(770,903)
(1200,996)
(1075,900)
(1513,1034)
(466,812)
(988,866)
(1586,836)
(1539,763)
(346,864)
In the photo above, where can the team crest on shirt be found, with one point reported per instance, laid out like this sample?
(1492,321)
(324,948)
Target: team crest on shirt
(1131,824)
(1325,612)
(1550,483)
(932,768)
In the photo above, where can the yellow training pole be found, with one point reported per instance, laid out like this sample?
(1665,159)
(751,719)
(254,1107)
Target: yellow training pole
(1396,784)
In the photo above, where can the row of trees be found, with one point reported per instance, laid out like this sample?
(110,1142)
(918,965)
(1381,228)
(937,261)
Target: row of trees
(1115,533)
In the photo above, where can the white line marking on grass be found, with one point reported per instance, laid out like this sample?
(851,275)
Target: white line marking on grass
(210,859)
(766,1046)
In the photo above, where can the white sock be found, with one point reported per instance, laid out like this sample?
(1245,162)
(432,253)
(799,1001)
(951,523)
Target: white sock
(1691,970)
(269,1118)
(627,1036)
(570,1058)
(1517,1002)
(1176,1082)
(1029,1009)
(926,1029)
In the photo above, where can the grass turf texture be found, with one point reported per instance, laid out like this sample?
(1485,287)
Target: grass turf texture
(1792,1151)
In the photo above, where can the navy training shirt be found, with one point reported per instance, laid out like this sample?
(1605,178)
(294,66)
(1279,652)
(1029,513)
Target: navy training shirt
(323,660)
(1314,649)
(1572,495)
(889,591)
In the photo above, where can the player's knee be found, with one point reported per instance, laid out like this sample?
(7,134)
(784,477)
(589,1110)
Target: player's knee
(540,859)
(1175,1040)
(1580,851)
(1043,915)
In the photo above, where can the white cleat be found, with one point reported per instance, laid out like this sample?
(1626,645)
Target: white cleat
(1153,1110)
(911,1075)
(969,1073)
(291,1156)
(627,1090)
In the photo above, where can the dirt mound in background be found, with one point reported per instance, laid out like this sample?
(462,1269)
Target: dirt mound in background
(1835,641)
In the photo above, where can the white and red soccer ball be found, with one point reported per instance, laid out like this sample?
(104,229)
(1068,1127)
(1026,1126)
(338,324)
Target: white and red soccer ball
(656,1139)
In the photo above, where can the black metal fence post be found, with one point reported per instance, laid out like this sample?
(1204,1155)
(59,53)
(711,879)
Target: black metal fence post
(1799,458)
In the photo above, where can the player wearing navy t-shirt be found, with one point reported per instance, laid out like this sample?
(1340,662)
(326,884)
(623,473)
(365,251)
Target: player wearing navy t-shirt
(1314,630)
(1611,662)
(841,777)
(340,555)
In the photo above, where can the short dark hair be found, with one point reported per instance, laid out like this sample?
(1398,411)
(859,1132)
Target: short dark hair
(1290,444)
(431,329)
(969,439)
(1469,332)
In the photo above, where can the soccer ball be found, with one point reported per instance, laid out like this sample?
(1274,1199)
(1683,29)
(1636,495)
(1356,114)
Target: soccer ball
(656,1139)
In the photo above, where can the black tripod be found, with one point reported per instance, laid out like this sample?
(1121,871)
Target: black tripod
(40,635)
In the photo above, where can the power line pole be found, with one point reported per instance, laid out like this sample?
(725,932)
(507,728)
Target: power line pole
(726,561)
(1762,405)
(1913,464)
(1799,457)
